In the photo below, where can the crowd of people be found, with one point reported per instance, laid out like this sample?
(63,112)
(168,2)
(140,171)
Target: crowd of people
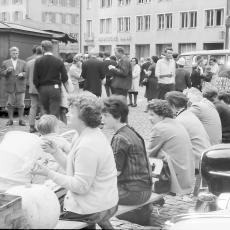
(100,175)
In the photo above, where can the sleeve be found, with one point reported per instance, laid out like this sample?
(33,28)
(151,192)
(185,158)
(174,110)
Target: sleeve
(196,110)
(27,73)
(3,70)
(102,70)
(36,75)
(64,76)
(24,65)
(188,80)
(122,69)
(120,149)
(85,168)
(157,70)
(155,142)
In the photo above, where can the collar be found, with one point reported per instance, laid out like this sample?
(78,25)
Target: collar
(48,53)
(180,111)
(125,125)
(14,60)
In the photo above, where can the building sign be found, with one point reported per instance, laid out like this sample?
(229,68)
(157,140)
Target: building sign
(115,39)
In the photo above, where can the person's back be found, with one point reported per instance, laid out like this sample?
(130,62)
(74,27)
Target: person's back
(93,73)
(224,113)
(182,79)
(135,173)
(208,115)
(48,69)
(198,136)
(171,138)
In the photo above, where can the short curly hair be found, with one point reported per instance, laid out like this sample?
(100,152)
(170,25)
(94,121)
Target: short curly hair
(89,107)
(161,108)
(116,106)
(176,98)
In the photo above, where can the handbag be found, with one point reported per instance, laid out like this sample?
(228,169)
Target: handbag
(145,82)
(164,179)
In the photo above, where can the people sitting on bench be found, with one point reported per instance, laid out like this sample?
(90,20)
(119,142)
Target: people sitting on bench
(134,171)
(91,175)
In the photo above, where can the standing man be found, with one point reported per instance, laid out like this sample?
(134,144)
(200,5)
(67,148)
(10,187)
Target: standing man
(122,73)
(182,79)
(165,72)
(32,89)
(49,74)
(14,73)
(93,73)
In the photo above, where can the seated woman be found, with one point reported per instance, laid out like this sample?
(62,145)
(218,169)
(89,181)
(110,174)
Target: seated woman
(91,175)
(134,173)
(170,141)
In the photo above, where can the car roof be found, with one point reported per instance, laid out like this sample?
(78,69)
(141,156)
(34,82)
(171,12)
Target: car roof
(208,52)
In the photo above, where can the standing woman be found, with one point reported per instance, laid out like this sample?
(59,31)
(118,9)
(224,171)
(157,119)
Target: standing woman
(136,71)
(152,81)
(75,72)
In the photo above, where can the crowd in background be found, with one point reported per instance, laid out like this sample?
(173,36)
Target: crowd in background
(187,115)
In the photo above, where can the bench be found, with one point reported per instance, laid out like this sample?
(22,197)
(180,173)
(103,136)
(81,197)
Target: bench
(155,198)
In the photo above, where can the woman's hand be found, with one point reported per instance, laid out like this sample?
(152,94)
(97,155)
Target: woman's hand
(39,169)
(49,146)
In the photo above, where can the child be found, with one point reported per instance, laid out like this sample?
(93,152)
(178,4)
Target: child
(48,127)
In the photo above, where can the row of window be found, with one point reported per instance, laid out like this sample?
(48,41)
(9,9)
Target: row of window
(7,2)
(16,16)
(165,21)
(60,18)
(108,3)
(47,17)
(63,3)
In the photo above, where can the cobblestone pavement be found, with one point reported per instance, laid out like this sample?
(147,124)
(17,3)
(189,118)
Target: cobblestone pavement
(174,205)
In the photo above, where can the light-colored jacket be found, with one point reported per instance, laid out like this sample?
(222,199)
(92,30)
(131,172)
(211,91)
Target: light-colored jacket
(91,175)
(206,112)
(13,84)
(136,72)
(170,140)
(29,75)
(198,136)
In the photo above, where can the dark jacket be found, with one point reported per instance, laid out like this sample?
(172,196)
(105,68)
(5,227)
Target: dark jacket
(145,66)
(182,79)
(122,74)
(49,70)
(108,73)
(93,73)
(13,84)
(196,79)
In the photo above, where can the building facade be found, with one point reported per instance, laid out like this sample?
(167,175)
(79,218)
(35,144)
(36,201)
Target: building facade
(56,15)
(145,27)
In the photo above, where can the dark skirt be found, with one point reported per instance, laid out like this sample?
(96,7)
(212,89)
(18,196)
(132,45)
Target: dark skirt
(151,91)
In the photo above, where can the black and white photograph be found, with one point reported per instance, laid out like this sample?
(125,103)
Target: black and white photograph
(115,114)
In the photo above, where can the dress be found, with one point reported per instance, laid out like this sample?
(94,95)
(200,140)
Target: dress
(136,72)
(151,91)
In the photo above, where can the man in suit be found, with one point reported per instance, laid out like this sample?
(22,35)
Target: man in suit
(49,74)
(15,85)
(32,89)
(108,75)
(122,73)
(93,73)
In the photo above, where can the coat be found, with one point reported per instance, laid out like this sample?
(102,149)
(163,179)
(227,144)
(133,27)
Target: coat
(208,115)
(13,84)
(93,73)
(169,140)
(122,74)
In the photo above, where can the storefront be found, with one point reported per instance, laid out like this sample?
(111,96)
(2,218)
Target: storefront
(142,51)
